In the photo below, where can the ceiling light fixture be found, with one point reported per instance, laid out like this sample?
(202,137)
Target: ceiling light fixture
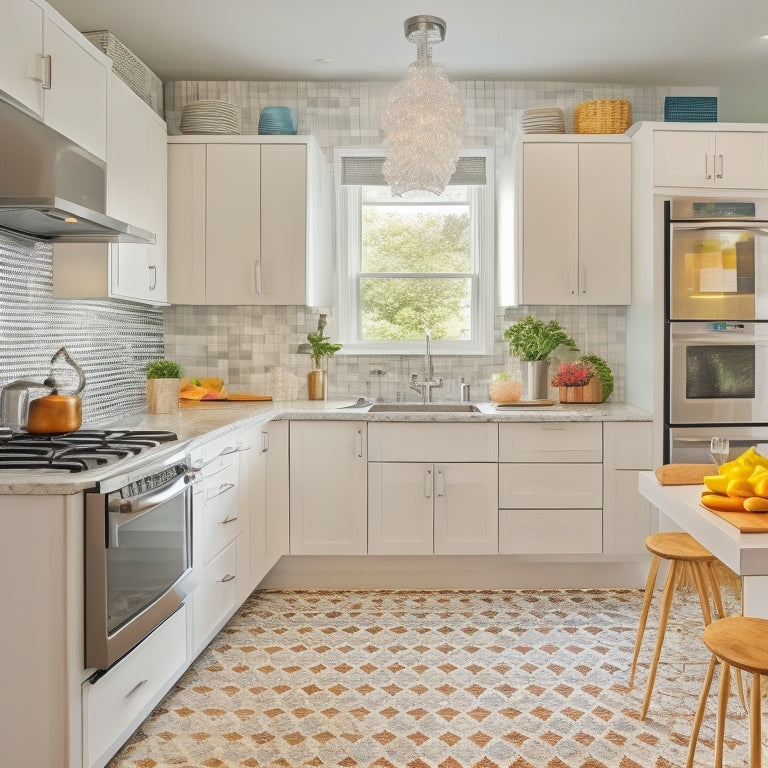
(424,117)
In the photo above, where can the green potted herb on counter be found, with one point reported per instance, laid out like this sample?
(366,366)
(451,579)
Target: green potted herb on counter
(163,385)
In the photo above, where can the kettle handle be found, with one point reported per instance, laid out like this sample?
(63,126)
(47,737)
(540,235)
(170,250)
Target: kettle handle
(62,352)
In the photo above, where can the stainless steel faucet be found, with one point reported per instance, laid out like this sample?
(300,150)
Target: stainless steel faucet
(424,388)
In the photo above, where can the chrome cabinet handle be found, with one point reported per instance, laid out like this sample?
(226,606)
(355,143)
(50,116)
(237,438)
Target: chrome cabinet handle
(228,577)
(428,484)
(707,174)
(135,688)
(582,280)
(440,482)
(153,277)
(264,442)
(719,175)
(46,72)
(223,488)
(359,444)
(229,520)
(574,274)
(257,276)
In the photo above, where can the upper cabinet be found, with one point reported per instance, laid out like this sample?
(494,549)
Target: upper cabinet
(136,193)
(704,159)
(48,68)
(248,221)
(574,219)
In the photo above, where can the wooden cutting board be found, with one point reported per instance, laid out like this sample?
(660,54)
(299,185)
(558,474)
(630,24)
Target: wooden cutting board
(746,522)
(232,397)
(684,474)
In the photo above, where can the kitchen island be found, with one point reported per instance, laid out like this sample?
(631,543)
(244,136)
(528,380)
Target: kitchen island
(744,553)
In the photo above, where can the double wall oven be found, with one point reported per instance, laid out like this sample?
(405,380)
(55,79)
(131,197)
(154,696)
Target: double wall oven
(716,305)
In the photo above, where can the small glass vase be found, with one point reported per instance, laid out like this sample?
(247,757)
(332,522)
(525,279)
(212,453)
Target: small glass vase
(317,380)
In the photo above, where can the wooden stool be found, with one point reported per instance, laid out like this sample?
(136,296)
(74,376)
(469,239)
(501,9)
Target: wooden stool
(740,642)
(685,555)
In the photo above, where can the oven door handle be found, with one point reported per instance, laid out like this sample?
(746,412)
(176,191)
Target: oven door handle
(746,225)
(123,511)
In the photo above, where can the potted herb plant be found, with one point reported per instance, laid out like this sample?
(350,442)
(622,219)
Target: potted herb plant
(320,346)
(163,385)
(533,341)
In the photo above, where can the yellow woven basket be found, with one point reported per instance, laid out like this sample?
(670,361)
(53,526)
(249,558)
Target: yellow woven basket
(602,116)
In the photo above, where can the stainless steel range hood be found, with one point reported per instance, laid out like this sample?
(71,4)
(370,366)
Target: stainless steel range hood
(52,189)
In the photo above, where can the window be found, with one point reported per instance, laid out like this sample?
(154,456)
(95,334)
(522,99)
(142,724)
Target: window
(414,263)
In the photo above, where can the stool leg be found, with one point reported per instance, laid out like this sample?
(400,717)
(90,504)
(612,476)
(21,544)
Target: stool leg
(649,585)
(715,584)
(701,586)
(666,603)
(700,711)
(755,742)
(722,707)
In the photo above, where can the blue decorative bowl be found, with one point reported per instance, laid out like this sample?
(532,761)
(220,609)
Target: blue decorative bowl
(277,121)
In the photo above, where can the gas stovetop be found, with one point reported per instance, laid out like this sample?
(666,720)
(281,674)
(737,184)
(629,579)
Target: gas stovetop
(75,451)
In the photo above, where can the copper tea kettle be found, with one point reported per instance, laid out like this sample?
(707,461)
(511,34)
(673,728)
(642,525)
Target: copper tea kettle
(58,412)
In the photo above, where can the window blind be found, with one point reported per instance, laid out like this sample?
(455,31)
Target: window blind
(367,170)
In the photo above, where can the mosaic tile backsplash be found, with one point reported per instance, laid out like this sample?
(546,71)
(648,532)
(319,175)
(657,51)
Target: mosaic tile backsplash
(111,340)
(250,346)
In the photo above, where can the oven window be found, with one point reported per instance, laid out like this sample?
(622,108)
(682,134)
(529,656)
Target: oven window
(720,371)
(152,553)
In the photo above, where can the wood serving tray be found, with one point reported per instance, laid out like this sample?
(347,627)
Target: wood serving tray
(746,522)
(525,404)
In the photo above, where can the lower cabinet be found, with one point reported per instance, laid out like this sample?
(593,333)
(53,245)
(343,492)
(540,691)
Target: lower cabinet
(114,705)
(428,508)
(328,488)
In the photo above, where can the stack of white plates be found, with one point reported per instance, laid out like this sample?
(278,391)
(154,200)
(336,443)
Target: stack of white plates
(210,116)
(543,120)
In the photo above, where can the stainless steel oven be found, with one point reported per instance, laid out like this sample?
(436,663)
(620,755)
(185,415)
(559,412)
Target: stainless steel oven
(718,373)
(138,556)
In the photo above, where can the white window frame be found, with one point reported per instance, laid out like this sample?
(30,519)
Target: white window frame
(348,238)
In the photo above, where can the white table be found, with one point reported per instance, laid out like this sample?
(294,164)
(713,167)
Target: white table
(744,553)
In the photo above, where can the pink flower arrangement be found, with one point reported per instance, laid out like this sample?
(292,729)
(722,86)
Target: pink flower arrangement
(572,375)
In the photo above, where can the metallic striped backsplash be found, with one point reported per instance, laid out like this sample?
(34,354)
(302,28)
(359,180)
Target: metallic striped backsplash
(112,340)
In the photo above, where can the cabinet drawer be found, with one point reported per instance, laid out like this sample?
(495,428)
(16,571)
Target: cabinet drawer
(432,442)
(550,486)
(114,701)
(222,521)
(628,445)
(219,453)
(551,441)
(216,597)
(550,531)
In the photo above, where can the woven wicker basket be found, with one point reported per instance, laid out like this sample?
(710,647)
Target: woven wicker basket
(130,69)
(602,116)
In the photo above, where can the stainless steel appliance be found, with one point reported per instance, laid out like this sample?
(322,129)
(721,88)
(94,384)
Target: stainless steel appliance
(716,313)
(138,555)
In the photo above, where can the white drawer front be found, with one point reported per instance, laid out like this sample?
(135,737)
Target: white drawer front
(216,596)
(436,441)
(550,531)
(629,445)
(551,441)
(114,701)
(222,521)
(550,486)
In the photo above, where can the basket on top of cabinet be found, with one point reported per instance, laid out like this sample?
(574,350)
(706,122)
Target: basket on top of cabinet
(602,116)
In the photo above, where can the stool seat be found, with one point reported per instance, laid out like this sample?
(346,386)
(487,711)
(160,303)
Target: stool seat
(674,545)
(740,642)
(684,554)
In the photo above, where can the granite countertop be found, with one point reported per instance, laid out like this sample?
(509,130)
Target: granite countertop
(197,422)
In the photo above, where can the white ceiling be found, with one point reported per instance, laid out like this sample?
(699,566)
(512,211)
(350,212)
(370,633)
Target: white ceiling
(649,42)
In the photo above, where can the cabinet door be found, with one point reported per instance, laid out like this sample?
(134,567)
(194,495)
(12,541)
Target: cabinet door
(277,491)
(254,445)
(157,215)
(550,223)
(21,46)
(550,531)
(683,158)
(741,160)
(281,274)
(76,103)
(233,221)
(400,508)
(328,488)
(466,509)
(605,223)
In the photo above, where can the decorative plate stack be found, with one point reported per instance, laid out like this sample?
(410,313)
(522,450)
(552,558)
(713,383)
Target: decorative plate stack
(210,116)
(543,120)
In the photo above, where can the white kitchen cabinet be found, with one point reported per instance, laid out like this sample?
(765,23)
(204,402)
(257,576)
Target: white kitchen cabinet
(137,194)
(706,159)
(248,221)
(277,492)
(432,488)
(575,211)
(328,488)
(551,488)
(48,68)
(628,517)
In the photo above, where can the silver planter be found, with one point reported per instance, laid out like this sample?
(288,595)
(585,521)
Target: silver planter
(536,379)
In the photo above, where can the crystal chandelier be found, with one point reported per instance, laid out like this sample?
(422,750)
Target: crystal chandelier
(424,117)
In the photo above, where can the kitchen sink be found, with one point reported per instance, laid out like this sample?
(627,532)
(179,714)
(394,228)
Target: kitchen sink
(423,408)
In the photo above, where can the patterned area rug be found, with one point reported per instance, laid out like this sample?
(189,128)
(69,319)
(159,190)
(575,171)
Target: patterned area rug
(439,679)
